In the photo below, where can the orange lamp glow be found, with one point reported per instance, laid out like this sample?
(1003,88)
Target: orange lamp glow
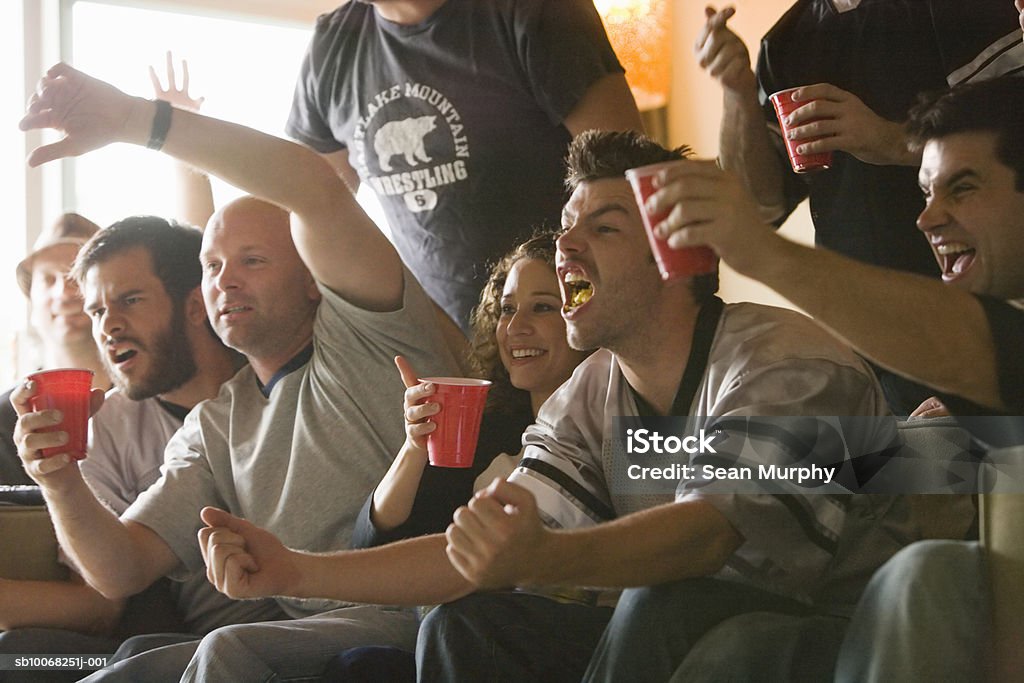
(639,32)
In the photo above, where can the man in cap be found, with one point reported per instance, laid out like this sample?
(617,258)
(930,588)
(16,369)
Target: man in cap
(57,319)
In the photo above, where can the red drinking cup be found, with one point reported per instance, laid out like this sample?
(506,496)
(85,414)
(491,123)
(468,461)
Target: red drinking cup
(801,163)
(66,390)
(672,263)
(453,443)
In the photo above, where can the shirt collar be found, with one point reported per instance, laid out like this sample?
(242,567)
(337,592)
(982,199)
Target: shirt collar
(297,361)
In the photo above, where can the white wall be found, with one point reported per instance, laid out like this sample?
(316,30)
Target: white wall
(696,107)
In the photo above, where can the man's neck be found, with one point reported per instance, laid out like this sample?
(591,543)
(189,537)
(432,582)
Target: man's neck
(214,366)
(655,363)
(407,12)
(266,367)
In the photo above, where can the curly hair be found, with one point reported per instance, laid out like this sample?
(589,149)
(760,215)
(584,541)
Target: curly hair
(484,357)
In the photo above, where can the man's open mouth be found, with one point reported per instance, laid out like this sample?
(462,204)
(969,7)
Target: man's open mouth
(118,356)
(955,258)
(578,291)
(232,310)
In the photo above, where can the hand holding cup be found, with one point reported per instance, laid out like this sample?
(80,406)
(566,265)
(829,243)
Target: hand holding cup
(53,411)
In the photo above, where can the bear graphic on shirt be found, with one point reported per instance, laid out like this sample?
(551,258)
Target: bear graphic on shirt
(403,137)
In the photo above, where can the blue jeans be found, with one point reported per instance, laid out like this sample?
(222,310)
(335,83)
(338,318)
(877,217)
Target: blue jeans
(490,637)
(289,650)
(765,646)
(50,641)
(372,665)
(923,617)
(654,628)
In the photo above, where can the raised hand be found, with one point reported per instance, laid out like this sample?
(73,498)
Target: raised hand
(178,96)
(53,470)
(722,53)
(90,113)
(497,539)
(846,124)
(707,206)
(416,412)
(243,560)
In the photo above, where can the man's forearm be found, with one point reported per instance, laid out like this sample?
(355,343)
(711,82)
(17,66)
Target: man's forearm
(666,543)
(98,543)
(910,324)
(411,572)
(56,604)
(340,245)
(746,149)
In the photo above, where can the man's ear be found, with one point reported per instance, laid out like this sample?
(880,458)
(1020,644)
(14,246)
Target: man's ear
(195,308)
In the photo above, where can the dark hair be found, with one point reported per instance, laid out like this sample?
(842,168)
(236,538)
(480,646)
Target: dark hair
(990,106)
(596,155)
(484,357)
(173,248)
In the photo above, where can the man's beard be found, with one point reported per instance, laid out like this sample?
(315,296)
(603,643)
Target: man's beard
(172,362)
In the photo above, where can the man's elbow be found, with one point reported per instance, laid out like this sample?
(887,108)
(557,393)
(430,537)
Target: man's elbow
(119,587)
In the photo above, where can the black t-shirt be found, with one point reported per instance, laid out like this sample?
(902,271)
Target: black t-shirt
(1006,324)
(885,52)
(11,471)
(456,123)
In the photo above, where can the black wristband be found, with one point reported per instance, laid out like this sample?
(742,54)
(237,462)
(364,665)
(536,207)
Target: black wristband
(161,124)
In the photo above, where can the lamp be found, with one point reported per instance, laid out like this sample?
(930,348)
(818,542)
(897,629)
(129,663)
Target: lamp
(639,33)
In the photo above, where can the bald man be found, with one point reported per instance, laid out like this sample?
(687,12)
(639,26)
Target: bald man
(305,286)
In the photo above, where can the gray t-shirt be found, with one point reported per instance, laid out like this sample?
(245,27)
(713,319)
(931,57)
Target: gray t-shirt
(301,461)
(127,441)
(456,123)
(763,361)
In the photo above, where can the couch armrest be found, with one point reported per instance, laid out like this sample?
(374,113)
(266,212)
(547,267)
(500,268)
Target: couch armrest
(1002,536)
(30,545)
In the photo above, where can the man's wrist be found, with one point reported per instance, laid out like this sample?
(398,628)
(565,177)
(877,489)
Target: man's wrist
(161,125)
(139,123)
(546,564)
(903,155)
(743,97)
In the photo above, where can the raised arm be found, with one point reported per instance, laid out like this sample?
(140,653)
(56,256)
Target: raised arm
(910,324)
(117,558)
(194,195)
(339,162)
(339,244)
(606,105)
(745,144)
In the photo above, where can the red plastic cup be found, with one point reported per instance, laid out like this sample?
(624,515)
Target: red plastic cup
(66,390)
(801,163)
(453,443)
(672,263)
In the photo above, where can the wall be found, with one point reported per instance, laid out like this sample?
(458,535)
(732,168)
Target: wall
(696,107)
